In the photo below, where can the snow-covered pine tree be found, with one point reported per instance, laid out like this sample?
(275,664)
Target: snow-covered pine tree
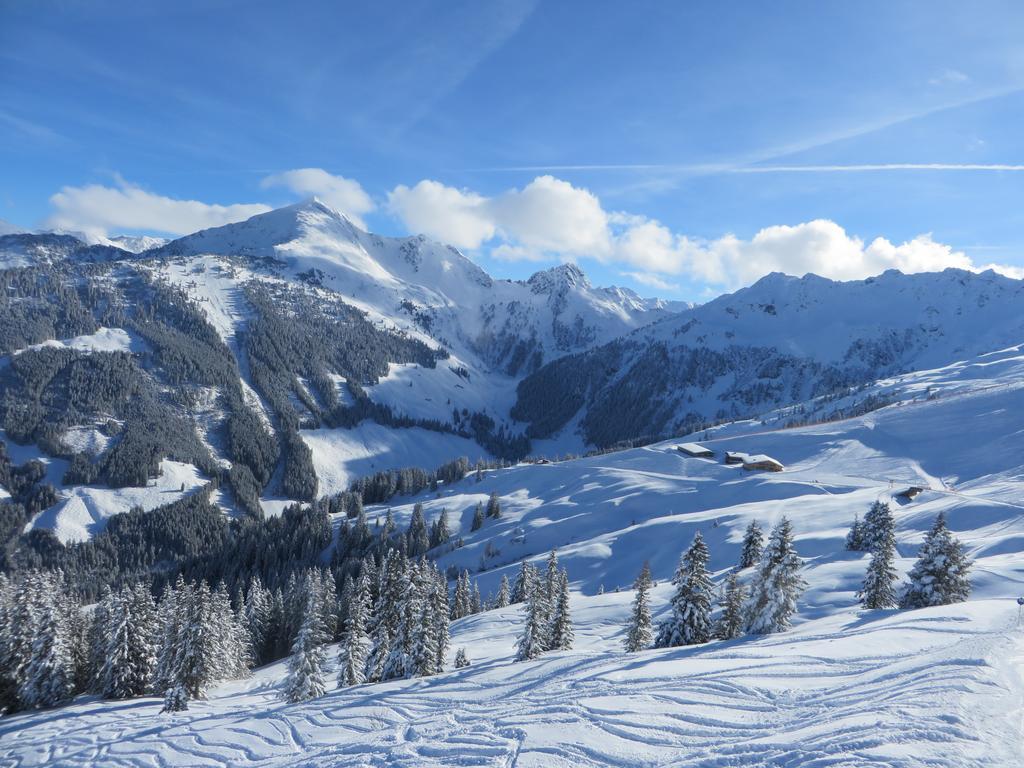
(730,623)
(407,606)
(941,574)
(461,659)
(195,657)
(493,506)
(476,604)
(777,584)
(305,679)
(689,621)
(878,524)
(384,615)
(49,676)
(143,635)
(417,538)
(533,640)
(256,613)
(97,639)
(129,656)
(561,634)
(23,616)
(442,531)
(639,634)
(753,543)
(175,700)
(169,636)
(478,518)
(354,641)
(879,587)
(462,602)
(504,594)
(524,578)
(441,613)
(855,539)
(424,650)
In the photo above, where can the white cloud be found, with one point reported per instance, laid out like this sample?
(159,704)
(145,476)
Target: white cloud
(550,219)
(342,194)
(95,210)
(444,213)
(547,217)
(552,216)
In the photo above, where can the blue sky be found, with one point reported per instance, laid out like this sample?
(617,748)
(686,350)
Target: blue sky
(678,148)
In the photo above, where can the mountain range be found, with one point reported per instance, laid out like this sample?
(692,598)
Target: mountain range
(293,353)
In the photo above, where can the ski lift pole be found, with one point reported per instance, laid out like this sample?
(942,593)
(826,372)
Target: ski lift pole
(1020,609)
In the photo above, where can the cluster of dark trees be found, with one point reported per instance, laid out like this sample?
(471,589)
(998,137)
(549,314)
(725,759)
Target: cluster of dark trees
(631,390)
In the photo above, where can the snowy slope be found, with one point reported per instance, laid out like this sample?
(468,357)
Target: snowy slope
(938,687)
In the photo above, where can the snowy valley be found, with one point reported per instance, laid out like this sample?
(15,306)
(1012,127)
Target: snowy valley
(279,414)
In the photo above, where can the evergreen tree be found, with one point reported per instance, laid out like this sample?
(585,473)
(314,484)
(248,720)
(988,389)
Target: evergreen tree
(441,532)
(777,584)
(689,622)
(461,660)
(855,538)
(561,635)
(462,603)
(522,584)
(753,543)
(175,700)
(305,678)
(478,518)
(257,615)
(424,650)
(493,506)
(878,524)
(638,634)
(476,604)
(130,655)
(354,641)
(407,613)
(195,662)
(533,640)
(504,594)
(879,587)
(941,574)
(417,538)
(49,677)
(441,614)
(730,623)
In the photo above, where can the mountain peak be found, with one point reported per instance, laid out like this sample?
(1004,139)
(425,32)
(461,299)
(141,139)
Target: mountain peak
(566,275)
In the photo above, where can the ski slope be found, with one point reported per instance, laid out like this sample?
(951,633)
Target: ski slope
(844,687)
(937,687)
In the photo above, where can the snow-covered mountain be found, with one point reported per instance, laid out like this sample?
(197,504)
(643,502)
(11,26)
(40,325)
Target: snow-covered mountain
(431,288)
(782,340)
(137,243)
(401,352)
